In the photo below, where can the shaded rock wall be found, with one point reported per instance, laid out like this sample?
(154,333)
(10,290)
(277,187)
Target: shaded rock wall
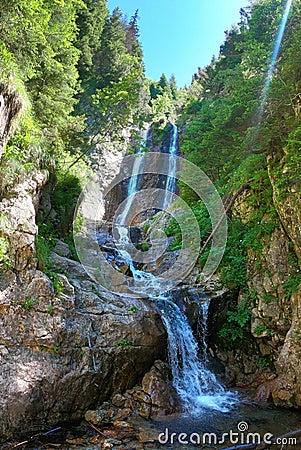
(10,106)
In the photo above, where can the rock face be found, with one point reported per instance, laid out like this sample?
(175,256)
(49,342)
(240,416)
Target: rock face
(65,344)
(63,352)
(18,213)
(154,397)
(10,106)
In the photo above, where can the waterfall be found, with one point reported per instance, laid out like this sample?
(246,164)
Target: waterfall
(195,384)
(171,181)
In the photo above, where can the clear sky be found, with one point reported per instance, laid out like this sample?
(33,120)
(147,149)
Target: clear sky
(177,36)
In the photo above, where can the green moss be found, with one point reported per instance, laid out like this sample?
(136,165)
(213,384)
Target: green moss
(124,343)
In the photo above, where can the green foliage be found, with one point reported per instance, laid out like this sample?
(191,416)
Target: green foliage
(64,198)
(44,247)
(145,246)
(50,310)
(56,349)
(264,361)
(41,45)
(260,329)
(220,118)
(116,103)
(202,216)
(292,285)
(124,343)
(237,321)
(146,227)
(58,284)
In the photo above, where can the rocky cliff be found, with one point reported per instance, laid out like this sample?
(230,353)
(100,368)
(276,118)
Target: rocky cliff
(269,356)
(65,343)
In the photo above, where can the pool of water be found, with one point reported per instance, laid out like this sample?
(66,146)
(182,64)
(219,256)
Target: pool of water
(246,424)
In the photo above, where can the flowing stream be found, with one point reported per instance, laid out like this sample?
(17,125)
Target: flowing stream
(195,384)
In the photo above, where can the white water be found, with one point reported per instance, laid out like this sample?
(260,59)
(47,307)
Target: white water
(171,181)
(131,191)
(204,321)
(195,384)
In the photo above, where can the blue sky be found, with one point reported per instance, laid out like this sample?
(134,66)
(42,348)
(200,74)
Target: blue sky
(178,36)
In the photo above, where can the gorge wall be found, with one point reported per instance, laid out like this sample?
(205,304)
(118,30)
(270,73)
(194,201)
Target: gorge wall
(65,344)
(268,355)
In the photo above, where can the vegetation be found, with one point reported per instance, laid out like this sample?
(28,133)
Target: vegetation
(236,326)
(79,77)
(241,147)
(124,343)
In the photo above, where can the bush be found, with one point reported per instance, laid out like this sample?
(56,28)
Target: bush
(43,249)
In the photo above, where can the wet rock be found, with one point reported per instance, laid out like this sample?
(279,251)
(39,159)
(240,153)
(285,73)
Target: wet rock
(263,393)
(123,414)
(148,435)
(157,384)
(119,400)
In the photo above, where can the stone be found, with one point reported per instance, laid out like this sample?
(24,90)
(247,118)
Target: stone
(263,393)
(123,425)
(157,384)
(148,435)
(62,249)
(119,400)
(96,417)
(123,414)
(11,104)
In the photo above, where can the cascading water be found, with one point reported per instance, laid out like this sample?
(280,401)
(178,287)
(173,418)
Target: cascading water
(196,385)
(204,321)
(171,181)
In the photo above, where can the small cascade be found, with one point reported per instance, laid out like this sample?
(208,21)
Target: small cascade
(171,181)
(196,385)
(132,189)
